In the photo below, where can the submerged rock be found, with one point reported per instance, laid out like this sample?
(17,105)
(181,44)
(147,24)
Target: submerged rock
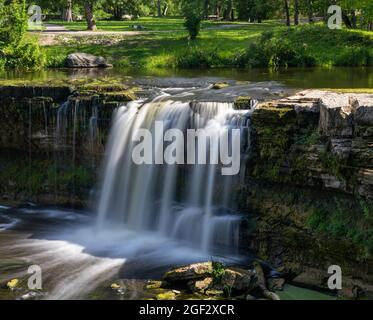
(85,60)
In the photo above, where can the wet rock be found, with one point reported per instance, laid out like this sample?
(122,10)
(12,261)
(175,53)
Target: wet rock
(351,293)
(84,60)
(243,103)
(154,285)
(214,293)
(190,272)
(311,278)
(168,295)
(276,284)
(33,295)
(238,279)
(201,285)
(261,285)
(220,85)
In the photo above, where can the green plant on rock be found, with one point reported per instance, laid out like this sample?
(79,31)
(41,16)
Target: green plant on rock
(218,271)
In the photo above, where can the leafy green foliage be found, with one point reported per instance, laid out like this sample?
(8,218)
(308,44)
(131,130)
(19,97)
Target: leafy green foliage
(193,14)
(218,271)
(16,48)
(344,223)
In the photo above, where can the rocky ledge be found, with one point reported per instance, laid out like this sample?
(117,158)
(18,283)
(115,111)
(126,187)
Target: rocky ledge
(316,138)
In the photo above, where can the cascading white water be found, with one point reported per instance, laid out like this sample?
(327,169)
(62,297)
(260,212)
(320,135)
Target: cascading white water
(186,203)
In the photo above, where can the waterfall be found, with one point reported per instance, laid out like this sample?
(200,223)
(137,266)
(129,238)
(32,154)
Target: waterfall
(193,204)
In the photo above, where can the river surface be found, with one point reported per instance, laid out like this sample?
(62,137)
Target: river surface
(299,78)
(75,255)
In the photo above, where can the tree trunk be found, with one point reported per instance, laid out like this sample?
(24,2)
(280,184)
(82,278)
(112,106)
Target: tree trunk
(287,12)
(68,12)
(228,11)
(206,9)
(310,11)
(88,9)
(218,9)
(165,10)
(353,19)
(296,12)
(346,20)
(159,8)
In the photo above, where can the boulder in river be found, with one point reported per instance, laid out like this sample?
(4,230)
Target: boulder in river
(85,60)
(190,272)
(238,279)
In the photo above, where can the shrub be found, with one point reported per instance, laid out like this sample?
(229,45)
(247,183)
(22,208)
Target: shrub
(16,48)
(195,57)
(193,25)
(193,14)
(356,57)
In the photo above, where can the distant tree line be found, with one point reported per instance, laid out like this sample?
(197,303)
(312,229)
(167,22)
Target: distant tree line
(356,13)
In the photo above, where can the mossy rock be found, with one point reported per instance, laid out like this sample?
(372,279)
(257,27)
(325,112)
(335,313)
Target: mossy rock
(119,96)
(168,295)
(243,103)
(220,85)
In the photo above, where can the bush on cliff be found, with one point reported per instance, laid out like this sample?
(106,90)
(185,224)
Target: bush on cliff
(17,49)
(307,46)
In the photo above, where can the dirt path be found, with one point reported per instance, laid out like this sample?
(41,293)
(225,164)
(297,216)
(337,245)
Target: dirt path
(52,32)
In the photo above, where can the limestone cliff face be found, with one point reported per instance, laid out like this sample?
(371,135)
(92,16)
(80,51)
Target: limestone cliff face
(52,140)
(316,138)
(310,182)
(33,118)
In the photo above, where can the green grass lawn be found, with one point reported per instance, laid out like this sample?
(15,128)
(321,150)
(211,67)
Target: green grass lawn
(150,24)
(217,47)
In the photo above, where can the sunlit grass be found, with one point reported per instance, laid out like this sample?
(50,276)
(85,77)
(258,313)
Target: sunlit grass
(155,48)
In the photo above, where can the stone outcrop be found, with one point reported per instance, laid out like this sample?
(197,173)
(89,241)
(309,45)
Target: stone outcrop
(60,132)
(85,60)
(191,272)
(316,138)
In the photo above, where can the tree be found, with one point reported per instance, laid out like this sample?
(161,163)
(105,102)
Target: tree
(296,12)
(68,12)
(159,8)
(193,13)
(89,15)
(287,12)
(228,13)
(310,11)
(206,9)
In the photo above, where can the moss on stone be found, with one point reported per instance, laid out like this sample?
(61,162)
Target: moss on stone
(243,103)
